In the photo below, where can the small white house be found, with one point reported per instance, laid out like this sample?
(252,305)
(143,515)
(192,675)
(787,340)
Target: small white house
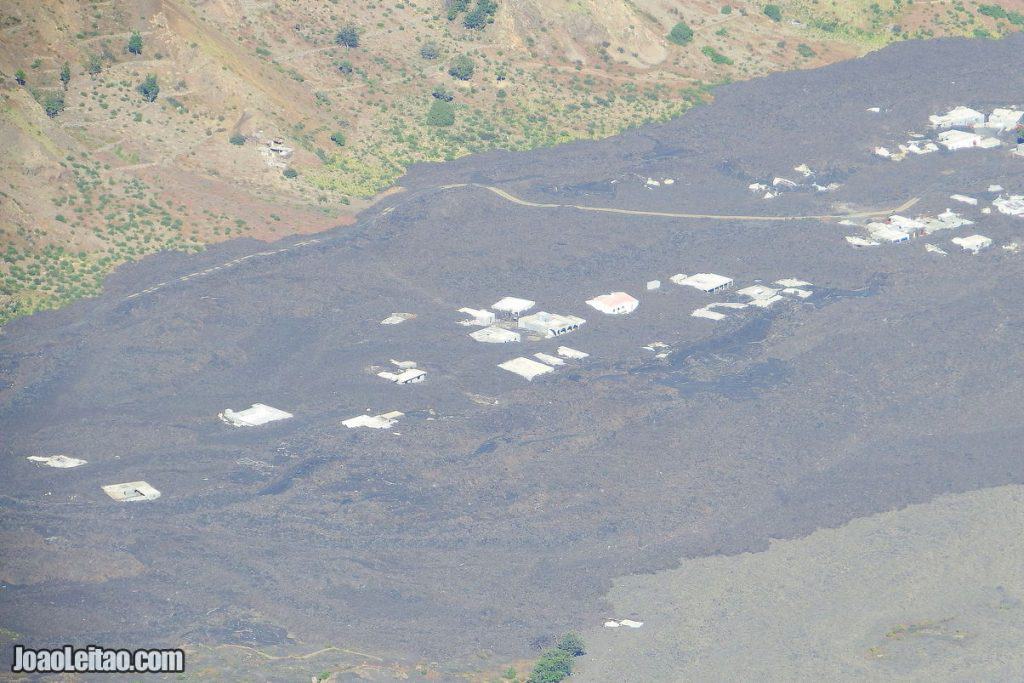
(409,376)
(705,282)
(382,421)
(653,284)
(481,317)
(756,292)
(550,324)
(566,352)
(495,335)
(616,303)
(957,117)
(1004,119)
(60,461)
(131,491)
(958,139)
(974,243)
(525,367)
(254,416)
(513,306)
(1011,206)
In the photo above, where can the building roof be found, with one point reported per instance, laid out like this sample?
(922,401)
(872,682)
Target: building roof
(792,282)
(566,352)
(495,335)
(608,303)
(707,313)
(511,304)
(548,359)
(525,367)
(973,242)
(131,491)
(860,241)
(956,116)
(382,421)
(705,282)
(1012,205)
(549,320)
(405,376)
(257,414)
(757,292)
(61,461)
(887,233)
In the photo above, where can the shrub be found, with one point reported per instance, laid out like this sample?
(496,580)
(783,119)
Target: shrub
(237,139)
(345,66)
(681,34)
(149,88)
(726,9)
(714,55)
(430,51)
(65,74)
(805,51)
(462,68)
(441,113)
(290,173)
(19,76)
(554,666)
(348,36)
(94,64)
(773,12)
(572,644)
(338,138)
(53,104)
(135,43)
(440,93)
(456,7)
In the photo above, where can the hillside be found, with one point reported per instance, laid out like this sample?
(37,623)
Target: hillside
(101,169)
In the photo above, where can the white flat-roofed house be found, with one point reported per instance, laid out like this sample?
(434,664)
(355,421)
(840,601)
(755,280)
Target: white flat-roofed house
(409,376)
(382,421)
(756,292)
(254,416)
(550,324)
(567,352)
(513,306)
(884,232)
(792,282)
(974,243)
(1004,119)
(525,367)
(481,317)
(1011,206)
(131,491)
(548,359)
(957,117)
(616,303)
(958,139)
(706,282)
(495,335)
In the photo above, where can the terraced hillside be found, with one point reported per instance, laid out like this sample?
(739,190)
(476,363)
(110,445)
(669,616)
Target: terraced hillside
(104,164)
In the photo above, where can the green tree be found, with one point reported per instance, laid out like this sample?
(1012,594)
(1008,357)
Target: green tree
(150,88)
(681,34)
(348,36)
(441,93)
(714,55)
(572,643)
(773,12)
(462,68)
(290,173)
(441,113)
(338,138)
(53,104)
(65,74)
(456,7)
(553,666)
(135,43)
(19,76)
(237,139)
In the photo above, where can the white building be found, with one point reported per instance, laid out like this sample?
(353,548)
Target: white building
(974,243)
(616,303)
(792,282)
(957,117)
(409,376)
(254,416)
(857,242)
(653,284)
(958,139)
(1011,206)
(1004,119)
(513,306)
(566,352)
(495,335)
(964,199)
(705,282)
(548,359)
(131,491)
(525,367)
(550,324)
(883,232)
(61,461)
(480,317)
(756,292)
(382,421)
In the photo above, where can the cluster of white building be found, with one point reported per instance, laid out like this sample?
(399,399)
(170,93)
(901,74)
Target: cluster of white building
(959,128)
(779,184)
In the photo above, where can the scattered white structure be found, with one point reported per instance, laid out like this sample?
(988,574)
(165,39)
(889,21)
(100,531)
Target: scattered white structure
(932,249)
(254,416)
(958,139)
(61,461)
(995,188)
(382,421)
(792,282)
(804,170)
(495,335)
(628,623)
(974,243)
(131,491)
(705,282)
(513,306)
(408,376)
(566,352)
(616,303)
(858,242)
(964,199)
(548,359)
(882,152)
(525,367)
(653,284)
(550,324)
(961,116)
(1011,206)
(783,182)
(397,318)
(874,110)
(1004,119)
(481,317)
